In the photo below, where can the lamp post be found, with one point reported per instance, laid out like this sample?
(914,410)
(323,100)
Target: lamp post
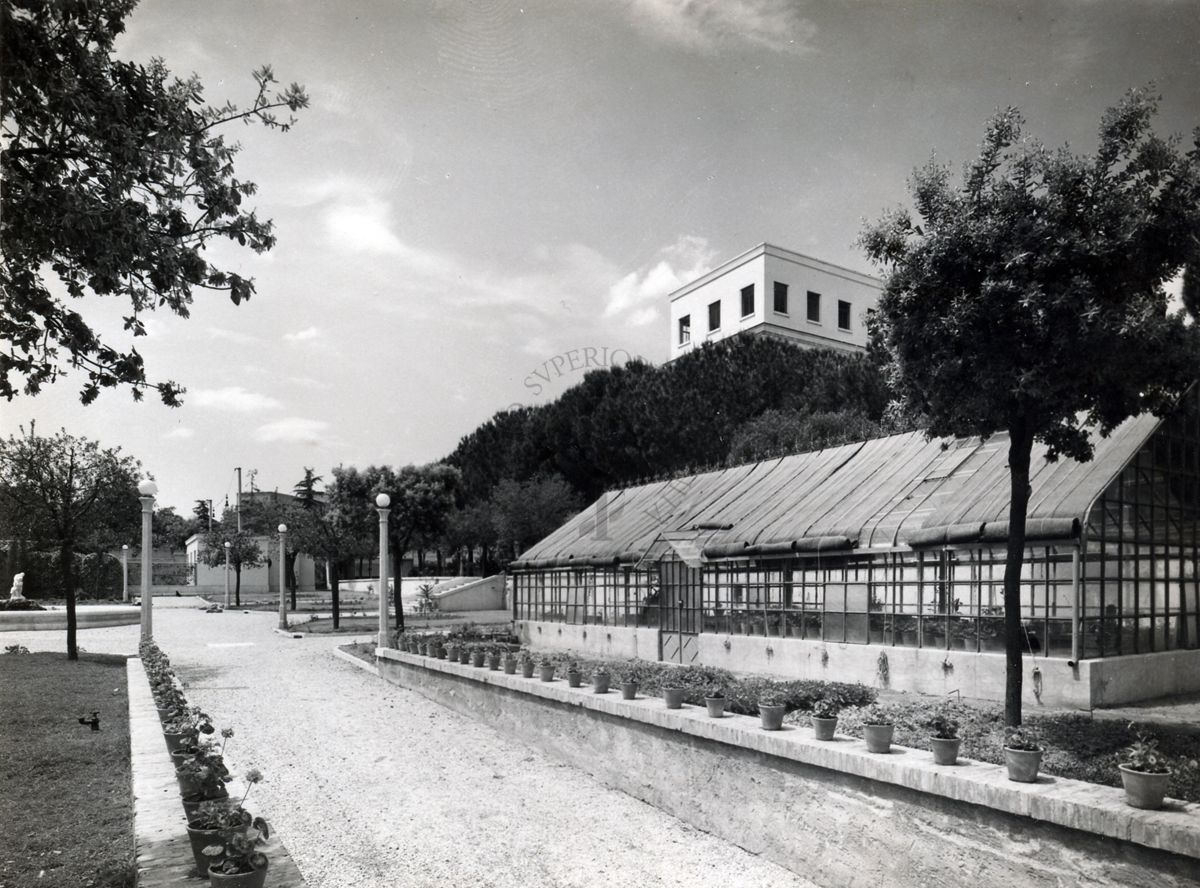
(146,491)
(283,624)
(382,503)
(125,573)
(227,575)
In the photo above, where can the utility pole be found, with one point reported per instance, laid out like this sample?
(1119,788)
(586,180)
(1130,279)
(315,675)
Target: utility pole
(239,499)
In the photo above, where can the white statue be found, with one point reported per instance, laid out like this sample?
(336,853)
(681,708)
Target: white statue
(18,586)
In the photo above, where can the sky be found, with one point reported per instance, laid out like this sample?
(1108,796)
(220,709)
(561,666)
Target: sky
(479,189)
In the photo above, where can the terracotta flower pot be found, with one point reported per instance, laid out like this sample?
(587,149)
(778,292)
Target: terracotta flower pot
(673,697)
(176,742)
(546,672)
(477,658)
(824,728)
(1143,789)
(600,682)
(945,750)
(510,666)
(878,737)
(574,679)
(527,668)
(772,716)
(716,706)
(255,879)
(629,690)
(1023,764)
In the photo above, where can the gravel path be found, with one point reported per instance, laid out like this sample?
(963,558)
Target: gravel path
(373,785)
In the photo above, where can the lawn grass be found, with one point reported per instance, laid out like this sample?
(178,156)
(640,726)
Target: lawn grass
(349,626)
(66,801)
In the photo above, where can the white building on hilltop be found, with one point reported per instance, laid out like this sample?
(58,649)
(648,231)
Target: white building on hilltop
(772,291)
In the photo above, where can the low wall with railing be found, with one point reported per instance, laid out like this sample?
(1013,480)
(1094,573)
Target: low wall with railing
(830,811)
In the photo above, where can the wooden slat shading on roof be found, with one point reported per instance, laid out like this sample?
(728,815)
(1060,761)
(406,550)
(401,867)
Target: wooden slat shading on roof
(897,490)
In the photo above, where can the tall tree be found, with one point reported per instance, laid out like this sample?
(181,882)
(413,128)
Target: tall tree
(340,528)
(524,512)
(61,490)
(1029,299)
(244,551)
(116,180)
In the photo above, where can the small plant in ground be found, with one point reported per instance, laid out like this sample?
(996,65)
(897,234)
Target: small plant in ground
(1024,739)
(942,725)
(878,714)
(16,649)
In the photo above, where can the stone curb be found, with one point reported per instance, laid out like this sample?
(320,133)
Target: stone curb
(287,633)
(1074,804)
(355,661)
(163,851)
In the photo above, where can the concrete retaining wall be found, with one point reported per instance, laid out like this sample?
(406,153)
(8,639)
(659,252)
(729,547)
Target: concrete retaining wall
(830,811)
(609,642)
(473,595)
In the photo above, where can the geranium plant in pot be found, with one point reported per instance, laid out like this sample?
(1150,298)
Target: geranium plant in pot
(1146,773)
(202,774)
(600,680)
(546,670)
(944,739)
(217,822)
(527,664)
(879,726)
(771,710)
(242,864)
(574,676)
(629,687)
(510,663)
(714,699)
(824,718)
(673,696)
(1022,754)
(185,727)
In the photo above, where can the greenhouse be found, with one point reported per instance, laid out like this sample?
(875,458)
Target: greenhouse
(895,544)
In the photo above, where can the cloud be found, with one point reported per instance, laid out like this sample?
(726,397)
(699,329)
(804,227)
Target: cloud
(180,433)
(234,398)
(302,335)
(640,292)
(292,429)
(707,25)
(361,226)
(231,336)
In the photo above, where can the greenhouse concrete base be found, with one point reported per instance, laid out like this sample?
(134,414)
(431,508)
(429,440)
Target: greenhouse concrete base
(829,811)
(1056,683)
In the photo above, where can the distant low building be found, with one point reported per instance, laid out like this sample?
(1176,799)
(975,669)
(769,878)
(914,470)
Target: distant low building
(776,292)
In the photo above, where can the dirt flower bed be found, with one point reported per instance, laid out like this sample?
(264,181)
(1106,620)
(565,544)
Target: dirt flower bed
(1077,746)
(66,802)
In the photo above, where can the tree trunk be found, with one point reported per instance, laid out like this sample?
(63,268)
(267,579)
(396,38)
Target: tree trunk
(66,563)
(1019,449)
(291,575)
(331,571)
(237,585)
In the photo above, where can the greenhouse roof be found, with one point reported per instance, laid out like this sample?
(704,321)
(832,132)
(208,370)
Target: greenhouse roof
(902,490)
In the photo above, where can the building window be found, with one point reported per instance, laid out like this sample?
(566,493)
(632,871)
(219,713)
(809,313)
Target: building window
(814,306)
(714,316)
(780,298)
(685,329)
(843,315)
(748,300)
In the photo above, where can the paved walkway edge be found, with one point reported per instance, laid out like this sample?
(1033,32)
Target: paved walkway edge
(355,661)
(163,851)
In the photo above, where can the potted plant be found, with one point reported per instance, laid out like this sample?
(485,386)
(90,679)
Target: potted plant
(1144,772)
(629,687)
(494,660)
(527,664)
(771,710)
(673,696)
(879,726)
(241,863)
(943,737)
(1022,754)
(439,650)
(510,663)
(714,699)
(574,676)
(452,651)
(477,656)
(824,718)
(546,670)
(218,822)
(600,680)
(201,773)
(186,727)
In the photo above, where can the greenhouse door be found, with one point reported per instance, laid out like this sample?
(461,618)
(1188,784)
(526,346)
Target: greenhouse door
(680,604)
